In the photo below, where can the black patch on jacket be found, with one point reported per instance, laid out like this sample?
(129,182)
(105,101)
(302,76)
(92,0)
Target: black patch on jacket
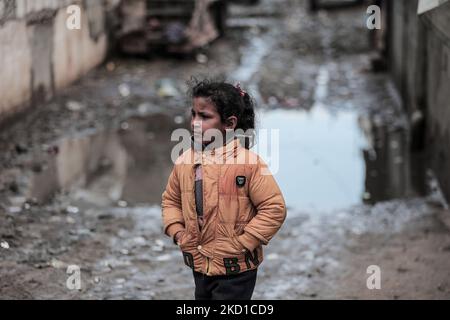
(253,258)
(188,259)
(231,266)
(240,181)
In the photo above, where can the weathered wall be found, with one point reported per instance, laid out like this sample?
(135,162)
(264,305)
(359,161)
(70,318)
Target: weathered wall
(420,64)
(407,54)
(438,93)
(39,54)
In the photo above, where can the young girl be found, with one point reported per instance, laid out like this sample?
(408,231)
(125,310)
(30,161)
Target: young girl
(221,203)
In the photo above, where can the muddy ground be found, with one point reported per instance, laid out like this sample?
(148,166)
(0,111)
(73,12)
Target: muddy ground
(81,177)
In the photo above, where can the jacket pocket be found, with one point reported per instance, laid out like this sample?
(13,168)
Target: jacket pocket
(237,245)
(183,242)
(228,247)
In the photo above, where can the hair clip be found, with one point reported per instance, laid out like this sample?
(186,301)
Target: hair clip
(241,92)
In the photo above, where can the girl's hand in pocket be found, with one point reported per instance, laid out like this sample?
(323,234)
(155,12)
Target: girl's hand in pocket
(178,236)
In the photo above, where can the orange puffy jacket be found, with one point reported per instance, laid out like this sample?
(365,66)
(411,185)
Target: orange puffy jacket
(242,204)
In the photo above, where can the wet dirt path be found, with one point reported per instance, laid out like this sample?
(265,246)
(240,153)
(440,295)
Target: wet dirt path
(343,167)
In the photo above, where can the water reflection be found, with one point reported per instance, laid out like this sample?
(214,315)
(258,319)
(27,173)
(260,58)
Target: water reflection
(321,167)
(130,164)
(327,161)
(391,170)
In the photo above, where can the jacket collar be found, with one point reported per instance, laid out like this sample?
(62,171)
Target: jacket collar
(223,152)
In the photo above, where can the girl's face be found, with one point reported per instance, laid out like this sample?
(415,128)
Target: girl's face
(205,115)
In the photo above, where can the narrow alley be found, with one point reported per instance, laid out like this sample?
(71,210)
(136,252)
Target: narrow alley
(81,176)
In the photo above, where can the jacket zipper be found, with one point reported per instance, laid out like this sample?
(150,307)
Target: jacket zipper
(195,205)
(203,209)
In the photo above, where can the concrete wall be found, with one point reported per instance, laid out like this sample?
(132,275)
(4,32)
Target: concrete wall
(438,93)
(419,59)
(39,54)
(407,53)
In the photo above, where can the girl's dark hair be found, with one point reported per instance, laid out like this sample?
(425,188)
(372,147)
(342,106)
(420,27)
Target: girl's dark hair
(228,99)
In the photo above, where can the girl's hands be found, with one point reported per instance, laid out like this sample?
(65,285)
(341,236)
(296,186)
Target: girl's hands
(178,235)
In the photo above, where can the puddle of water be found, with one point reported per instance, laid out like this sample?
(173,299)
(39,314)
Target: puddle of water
(320,162)
(327,162)
(130,164)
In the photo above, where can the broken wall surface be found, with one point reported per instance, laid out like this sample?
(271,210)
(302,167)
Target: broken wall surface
(39,54)
(420,64)
(438,93)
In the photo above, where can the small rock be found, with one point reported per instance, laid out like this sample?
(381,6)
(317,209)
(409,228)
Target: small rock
(179,119)
(124,126)
(4,245)
(165,257)
(273,256)
(139,241)
(201,58)
(122,203)
(74,106)
(72,209)
(55,219)
(157,248)
(144,108)
(57,264)
(124,90)
(70,220)
(21,149)
(123,233)
(110,66)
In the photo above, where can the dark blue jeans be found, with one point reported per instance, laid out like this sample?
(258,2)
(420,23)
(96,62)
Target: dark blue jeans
(231,287)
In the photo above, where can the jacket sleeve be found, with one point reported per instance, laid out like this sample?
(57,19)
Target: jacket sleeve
(172,214)
(270,206)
